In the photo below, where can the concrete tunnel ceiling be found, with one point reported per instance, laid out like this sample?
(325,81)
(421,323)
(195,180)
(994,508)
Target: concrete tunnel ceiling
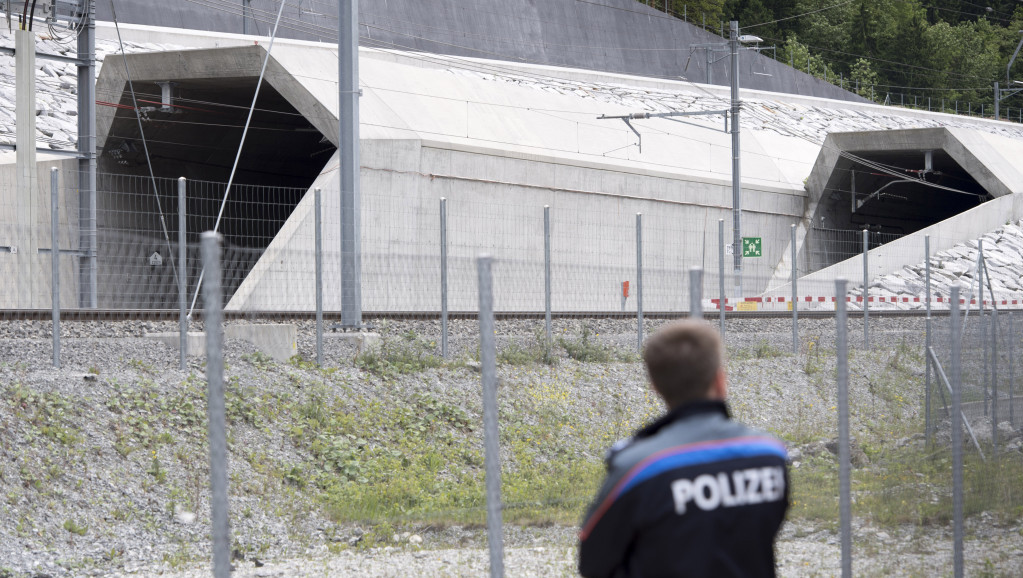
(897,205)
(198,136)
(897,182)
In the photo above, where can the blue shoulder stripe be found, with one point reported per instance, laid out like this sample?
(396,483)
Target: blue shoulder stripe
(698,454)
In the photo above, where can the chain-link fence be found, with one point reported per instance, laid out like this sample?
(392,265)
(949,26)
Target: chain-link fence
(935,493)
(385,429)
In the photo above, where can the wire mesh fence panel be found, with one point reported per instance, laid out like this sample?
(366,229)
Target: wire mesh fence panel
(401,255)
(990,469)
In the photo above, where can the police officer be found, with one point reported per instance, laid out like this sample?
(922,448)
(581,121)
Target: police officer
(693,493)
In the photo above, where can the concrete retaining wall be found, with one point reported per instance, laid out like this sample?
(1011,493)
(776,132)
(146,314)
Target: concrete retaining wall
(613,35)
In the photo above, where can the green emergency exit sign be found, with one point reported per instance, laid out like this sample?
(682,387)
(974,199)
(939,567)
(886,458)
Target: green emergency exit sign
(751,247)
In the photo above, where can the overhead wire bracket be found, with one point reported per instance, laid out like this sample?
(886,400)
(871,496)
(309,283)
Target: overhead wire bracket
(628,118)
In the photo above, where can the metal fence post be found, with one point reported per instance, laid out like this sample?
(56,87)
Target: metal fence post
(182,275)
(983,321)
(842,353)
(928,421)
(213,320)
(639,282)
(443,277)
(696,293)
(492,458)
(319,277)
(957,436)
(547,275)
(795,297)
(1012,368)
(55,260)
(866,291)
(722,300)
(994,373)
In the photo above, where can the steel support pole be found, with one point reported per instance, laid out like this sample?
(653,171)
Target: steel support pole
(957,436)
(55,261)
(696,293)
(492,457)
(844,487)
(319,275)
(88,278)
(351,249)
(213,320)
(866,290)
(639,282)
(182,275)
(29,194)
(547,269)
(444,277)
(733,43)
(928,420)
(795,296)
(997,98)
(722,300)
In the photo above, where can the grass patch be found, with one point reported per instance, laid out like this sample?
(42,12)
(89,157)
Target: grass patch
(586,349)
(764,349)
(910,486)
(74,528)
(535,353)
(405,354)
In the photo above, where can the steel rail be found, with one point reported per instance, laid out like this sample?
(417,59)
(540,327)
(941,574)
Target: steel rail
(172,314)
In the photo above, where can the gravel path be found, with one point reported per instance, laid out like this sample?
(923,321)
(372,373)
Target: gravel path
(801,551)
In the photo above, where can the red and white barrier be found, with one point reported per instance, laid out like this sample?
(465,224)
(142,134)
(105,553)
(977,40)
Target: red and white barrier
(827,303)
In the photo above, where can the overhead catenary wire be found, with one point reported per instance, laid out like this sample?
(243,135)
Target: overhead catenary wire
(866,162)
(241,145)
(142,135)
(471,65)
(369,40)
(875,59)
(843,3)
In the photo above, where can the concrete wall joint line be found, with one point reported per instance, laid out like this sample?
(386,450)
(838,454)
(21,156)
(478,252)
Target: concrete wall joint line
(433,176)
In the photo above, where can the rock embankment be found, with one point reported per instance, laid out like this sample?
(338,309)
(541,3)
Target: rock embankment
(957,267)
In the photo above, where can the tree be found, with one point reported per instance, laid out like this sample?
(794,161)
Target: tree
(863,78)
(698,10)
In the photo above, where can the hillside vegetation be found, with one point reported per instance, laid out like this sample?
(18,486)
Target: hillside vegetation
(941,49)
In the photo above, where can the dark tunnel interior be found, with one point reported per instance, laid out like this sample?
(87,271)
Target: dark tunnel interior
(197,137)
(885,196)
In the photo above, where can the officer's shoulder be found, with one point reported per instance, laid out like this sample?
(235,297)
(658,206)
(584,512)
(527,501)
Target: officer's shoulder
(617,448)
(740,430)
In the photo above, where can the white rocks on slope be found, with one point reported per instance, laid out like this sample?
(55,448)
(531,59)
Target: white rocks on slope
(957,266)
(56,90)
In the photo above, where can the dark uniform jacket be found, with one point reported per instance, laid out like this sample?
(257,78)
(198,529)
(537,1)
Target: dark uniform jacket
(692,494)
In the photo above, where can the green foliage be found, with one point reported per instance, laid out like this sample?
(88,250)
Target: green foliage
(409,353)
(862,75)
(259,360)
(537,352)
(588,350)
(46,414)
(910,48)
(909,486)
(157,470)
(73,527)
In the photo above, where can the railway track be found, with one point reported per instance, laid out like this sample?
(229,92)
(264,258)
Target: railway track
(172,314)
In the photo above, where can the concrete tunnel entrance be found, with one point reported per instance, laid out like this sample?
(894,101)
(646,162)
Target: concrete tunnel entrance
(194,132)
(892,183)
